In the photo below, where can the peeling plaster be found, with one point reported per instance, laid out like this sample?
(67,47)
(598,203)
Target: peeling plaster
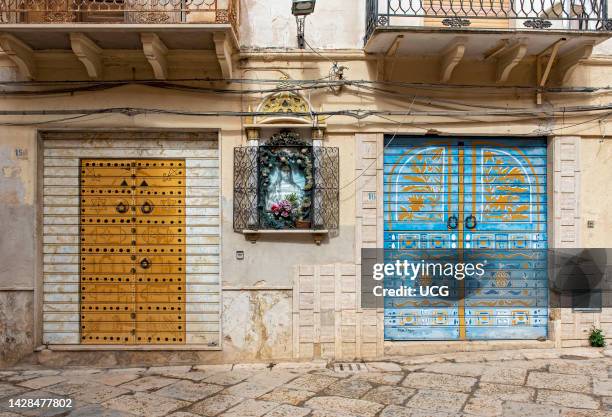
(257,324)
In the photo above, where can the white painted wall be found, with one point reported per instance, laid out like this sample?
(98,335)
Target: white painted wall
(333,25)
(604,48)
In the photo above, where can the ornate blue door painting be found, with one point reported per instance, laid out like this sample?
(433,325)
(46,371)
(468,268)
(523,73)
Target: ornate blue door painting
(467,194)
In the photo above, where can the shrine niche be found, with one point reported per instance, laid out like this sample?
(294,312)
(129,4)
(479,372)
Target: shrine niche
(286,182)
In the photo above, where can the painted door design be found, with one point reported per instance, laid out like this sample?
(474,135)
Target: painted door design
(462,195)
(132,240)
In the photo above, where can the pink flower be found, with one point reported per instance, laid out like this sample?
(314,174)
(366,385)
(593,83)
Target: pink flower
(275,208)
(285,214)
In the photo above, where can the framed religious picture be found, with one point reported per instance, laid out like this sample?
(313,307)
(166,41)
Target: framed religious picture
(286,183)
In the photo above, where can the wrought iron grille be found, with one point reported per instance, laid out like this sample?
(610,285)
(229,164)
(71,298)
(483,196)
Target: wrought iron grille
(327,188)
(533,14)
(326,192)
(246,184)
(120,11)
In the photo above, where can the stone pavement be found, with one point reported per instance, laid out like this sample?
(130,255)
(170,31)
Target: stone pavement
(531,383)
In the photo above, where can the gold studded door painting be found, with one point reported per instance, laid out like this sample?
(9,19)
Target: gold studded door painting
(132,251)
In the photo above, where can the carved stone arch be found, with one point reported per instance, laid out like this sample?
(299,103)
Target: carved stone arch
(278,110)
(284,102)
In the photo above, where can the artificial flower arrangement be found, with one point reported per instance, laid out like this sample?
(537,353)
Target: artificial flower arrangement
(285,209)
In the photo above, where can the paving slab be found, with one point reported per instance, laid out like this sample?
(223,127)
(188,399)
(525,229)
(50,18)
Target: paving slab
(116,378)
(500,375)
(9,390)
(560,382)
(567,399)
(189,391)
(505,392)
(98,411)
(380,377)
(483,406)
(602,387)
(383,367)
(251,408)
(227,377)
(389,395)
(41,382)
(287,396)
(518,409)
(396,411)
(148,383)
(248,390)
(461,369)
(438,400)
(312,382)
(272,378)
(212,406)
(69,387)
(98,393)
(286,410)
(439,381)
(352,388)
(344,405)
(145,404)
(324,413)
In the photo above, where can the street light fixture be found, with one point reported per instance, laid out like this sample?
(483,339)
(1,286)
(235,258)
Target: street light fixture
(300,9)
(303,7)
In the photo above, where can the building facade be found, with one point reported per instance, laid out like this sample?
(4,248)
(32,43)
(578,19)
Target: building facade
(149,152)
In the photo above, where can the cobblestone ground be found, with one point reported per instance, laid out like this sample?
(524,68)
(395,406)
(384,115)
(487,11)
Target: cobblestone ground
(530,383)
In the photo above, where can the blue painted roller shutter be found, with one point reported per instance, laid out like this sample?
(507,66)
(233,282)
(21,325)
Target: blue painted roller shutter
(498,186)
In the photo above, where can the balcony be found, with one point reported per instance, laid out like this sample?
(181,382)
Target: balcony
(503,32)
(119,11)
(97,31)
(567,15)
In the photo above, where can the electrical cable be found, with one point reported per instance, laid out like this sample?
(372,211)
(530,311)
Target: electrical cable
(399,125)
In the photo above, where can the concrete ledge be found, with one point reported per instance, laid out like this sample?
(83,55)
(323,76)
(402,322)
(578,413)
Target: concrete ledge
(431,348)
(141,348)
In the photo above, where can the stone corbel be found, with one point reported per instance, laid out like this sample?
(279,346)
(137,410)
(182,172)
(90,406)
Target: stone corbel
(510,58)
(224,53)
(568,62)
(155,51)
(387,61)
(88,53)
(20,53)
(451,57)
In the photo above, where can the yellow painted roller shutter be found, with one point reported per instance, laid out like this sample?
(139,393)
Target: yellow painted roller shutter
(131,238)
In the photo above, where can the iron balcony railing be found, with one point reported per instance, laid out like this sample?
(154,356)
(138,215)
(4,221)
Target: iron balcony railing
(512,14)
(119,11)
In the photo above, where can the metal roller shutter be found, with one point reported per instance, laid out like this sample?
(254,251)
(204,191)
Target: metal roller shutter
(495,189)
(131,238)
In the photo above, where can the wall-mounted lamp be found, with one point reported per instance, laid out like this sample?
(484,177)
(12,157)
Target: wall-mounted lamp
(300,9)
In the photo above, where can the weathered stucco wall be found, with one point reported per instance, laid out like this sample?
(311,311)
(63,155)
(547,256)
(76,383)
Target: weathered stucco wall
(596,199)
(18,242)
(270,24)
(257,325)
